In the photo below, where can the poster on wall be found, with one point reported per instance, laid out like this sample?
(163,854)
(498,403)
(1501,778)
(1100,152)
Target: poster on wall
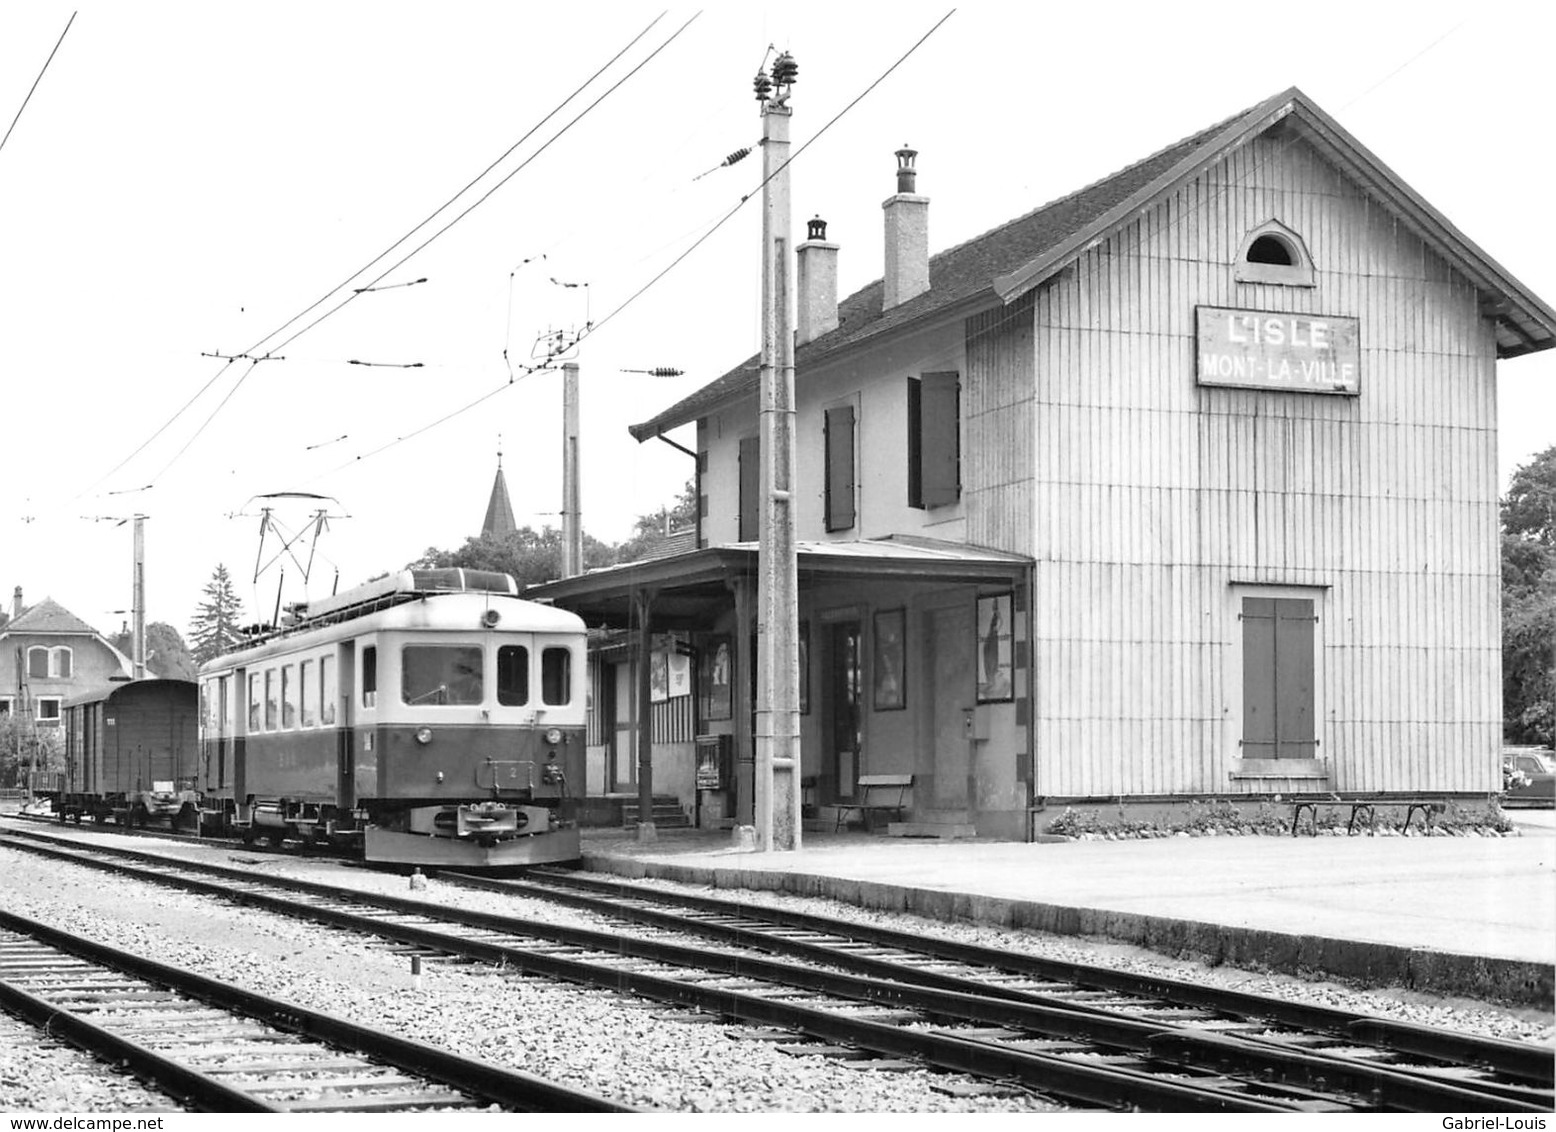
(890,662)
(993,649)
(715,675)
(659,676)
(679,674)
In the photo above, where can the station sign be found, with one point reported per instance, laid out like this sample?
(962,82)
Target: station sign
(1301,353)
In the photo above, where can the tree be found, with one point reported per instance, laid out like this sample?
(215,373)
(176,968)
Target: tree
(1528,514)
(24,746)
(214,628)
(653,527)
(167,657)
(530,556)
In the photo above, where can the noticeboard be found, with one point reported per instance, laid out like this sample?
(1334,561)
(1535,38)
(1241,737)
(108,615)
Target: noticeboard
(1301,353)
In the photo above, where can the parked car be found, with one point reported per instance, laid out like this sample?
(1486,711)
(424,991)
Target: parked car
(1529,776)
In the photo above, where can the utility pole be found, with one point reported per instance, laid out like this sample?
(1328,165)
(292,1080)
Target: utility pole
(138,601)
(572,519)
(777,786)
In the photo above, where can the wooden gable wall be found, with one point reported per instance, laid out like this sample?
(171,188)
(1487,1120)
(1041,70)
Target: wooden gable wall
(1145,497)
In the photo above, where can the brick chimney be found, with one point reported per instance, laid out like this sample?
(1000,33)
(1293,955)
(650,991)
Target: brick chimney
(817,284)
(16,603)
(907,236)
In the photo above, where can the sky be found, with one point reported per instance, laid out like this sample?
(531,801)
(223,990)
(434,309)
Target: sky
(189,180)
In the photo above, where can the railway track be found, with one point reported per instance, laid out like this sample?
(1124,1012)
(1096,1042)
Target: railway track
(215,1048)
(1095,1046)
(1517,1070)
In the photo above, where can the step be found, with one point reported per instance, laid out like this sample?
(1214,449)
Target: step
(944,830)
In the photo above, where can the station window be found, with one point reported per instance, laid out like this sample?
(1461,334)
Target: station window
(556,676)
(1278,678)
(307,694)
(48,709)
(370,676)
(5,705)
(1273,253)
(513,676)
(441,674)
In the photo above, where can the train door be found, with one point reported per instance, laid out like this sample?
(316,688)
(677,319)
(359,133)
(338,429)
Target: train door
(622,727)
(246,714)
(336,685)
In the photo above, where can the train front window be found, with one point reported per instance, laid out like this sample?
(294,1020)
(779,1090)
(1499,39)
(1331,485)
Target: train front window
(440,674)
(513,675)
(556,676)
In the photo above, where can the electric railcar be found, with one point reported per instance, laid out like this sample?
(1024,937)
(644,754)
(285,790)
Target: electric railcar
(131,755)
(431,717)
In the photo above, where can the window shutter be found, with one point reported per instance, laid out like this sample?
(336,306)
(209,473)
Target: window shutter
(915,446)
(1294,679)
(940,439)
(38,663)
(750,485)
(838,436)
(1258,678)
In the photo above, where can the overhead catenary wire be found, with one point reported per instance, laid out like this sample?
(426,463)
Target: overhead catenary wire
(38,80)
(594,327)
(435,235)
(322,299)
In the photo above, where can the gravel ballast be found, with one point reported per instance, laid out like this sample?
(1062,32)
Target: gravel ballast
(635,1052)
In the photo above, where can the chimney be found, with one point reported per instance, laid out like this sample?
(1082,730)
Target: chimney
(907,236)
(817,260)
(16,604)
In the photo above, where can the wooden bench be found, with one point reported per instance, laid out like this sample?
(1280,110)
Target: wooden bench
(876,797)
(1428,806)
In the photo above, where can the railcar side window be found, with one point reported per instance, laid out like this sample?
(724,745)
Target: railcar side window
(513,675)
(370,676)
(288,696)
(305,694)
(272,689)
(556,676)
(255,699)
(327,690)
(440,674)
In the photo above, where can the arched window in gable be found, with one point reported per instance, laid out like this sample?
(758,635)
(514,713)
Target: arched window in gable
(1273,253)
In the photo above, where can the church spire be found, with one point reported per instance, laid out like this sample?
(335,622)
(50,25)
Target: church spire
(499,512)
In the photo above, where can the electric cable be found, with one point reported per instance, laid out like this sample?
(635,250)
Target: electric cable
(37,80)
(376,259)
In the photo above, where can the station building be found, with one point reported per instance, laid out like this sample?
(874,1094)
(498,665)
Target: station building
(1181,486)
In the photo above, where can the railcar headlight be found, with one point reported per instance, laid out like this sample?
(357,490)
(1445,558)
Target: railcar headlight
(553,735)
(424,735)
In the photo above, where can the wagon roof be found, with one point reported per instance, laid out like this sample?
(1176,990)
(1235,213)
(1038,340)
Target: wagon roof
(1008,261)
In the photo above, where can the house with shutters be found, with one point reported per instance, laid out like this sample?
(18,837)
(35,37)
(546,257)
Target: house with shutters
(47,656)
(1181,486)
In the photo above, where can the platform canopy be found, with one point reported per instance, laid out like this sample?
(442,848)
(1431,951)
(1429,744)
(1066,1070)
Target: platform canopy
(688,589)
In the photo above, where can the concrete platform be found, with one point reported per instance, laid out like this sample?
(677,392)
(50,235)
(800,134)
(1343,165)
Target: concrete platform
(1452,915)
